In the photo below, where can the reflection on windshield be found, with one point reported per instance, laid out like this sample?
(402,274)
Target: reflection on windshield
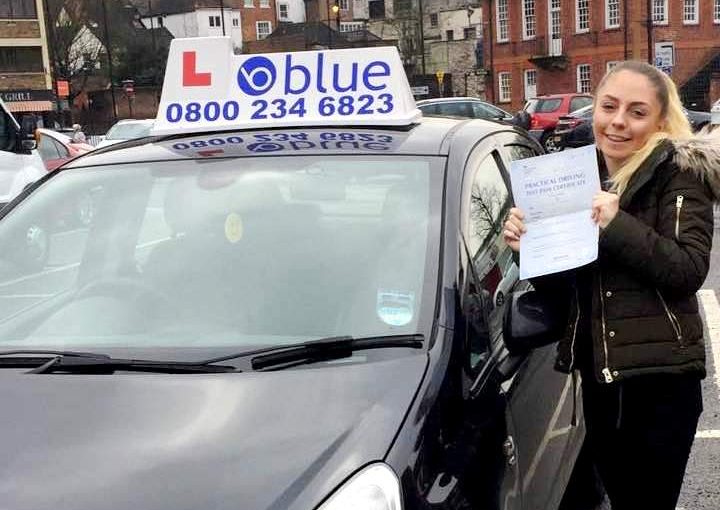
(224,253)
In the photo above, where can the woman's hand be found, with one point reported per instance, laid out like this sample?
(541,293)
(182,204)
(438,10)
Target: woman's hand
(514,227)
(605,207)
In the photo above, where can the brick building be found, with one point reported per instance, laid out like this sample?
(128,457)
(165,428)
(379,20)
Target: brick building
(536,47)
(25,79)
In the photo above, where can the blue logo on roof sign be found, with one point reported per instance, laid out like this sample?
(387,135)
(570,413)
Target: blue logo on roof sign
(208,88)
(256,76)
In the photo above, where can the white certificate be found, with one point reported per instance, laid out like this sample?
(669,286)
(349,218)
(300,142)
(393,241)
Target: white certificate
(555,192)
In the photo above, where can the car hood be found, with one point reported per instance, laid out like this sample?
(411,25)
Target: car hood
(272,440)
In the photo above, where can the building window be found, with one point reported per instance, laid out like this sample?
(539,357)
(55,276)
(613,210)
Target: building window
(236,22)
(503,30)
(263,29)
(555,46)
(582,15)
(283,11)
(248,3)
(528,19)
(530,83)
(659,12)
(215,21)
(19,59)
(504,87)
(449,35)
(376,9)
(583,78)
(612,13)
(690,12)
(344,5)
(264,4)
(716,12)
(161,21)
(23,9)
(611,64)
(434,20)
(469,33)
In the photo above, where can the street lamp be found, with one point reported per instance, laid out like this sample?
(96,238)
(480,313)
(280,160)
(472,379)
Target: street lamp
(336,11)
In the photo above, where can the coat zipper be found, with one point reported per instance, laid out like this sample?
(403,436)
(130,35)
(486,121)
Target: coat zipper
(674,322)
(605,371)
(678,208)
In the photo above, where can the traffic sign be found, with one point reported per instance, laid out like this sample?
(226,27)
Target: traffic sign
(63,88)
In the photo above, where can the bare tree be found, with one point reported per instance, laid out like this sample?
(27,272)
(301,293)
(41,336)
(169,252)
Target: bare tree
(487,205)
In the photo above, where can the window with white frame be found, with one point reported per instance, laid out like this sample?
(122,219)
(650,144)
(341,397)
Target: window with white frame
(528,19)
(265,3)
(530,83)
(610,64)
(504,87)
(344,5)
(716,12)
(214,21)
(248,3)
(263,29)
(612,13)
(283,11)
(351,26)
(433,20)
(691,16)
(582,15)
(659,12)
(503,29)
(583,79)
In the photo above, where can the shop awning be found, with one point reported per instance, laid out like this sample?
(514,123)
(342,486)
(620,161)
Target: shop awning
(30,106)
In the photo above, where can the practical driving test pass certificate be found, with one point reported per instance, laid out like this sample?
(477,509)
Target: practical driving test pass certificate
(555,191)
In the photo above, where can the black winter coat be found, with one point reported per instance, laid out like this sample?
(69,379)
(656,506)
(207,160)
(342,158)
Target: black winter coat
(653,258)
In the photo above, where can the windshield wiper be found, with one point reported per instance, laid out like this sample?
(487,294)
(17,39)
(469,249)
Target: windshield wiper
(48,361)
(313,351)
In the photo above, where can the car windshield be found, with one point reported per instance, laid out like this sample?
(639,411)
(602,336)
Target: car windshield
(129,130)
(547,105)
(214,256)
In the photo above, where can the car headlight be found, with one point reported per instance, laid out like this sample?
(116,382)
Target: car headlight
(374,488)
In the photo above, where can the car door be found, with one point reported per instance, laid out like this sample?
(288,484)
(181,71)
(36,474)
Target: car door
(17,169)
(541,400)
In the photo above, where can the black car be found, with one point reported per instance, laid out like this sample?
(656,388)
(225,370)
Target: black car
(575,129)
(298,317)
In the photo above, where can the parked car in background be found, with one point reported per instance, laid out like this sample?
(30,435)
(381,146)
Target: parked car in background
(575,129)
(698,120)
(469,108)
(127,129)
(715,113)
(572,130)
(20,163)
(57,148)
(545,111)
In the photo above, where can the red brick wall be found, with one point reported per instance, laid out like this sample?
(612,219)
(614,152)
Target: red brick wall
(250,15)
(694,45)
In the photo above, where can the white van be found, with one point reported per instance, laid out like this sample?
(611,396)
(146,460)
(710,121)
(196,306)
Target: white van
(20,163)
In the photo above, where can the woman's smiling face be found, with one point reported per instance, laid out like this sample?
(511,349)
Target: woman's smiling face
(627,112)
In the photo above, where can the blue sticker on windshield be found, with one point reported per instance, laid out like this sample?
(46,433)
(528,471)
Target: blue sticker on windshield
(395,308)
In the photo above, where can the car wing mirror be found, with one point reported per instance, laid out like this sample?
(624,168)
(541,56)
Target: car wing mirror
(532,320)
(25,142)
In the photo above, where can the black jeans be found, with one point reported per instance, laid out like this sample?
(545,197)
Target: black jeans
(640,432)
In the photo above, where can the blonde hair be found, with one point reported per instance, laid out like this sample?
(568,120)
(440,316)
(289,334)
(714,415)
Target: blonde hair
(675,123)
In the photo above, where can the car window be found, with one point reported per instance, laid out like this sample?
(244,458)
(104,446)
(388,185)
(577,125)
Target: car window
(61,149)
(47,149)
(585,112)
(483,212)
(128,131)
(530,106)
(484,111)
(429,109)
(579,102)
(224,254)
(456,109)
(548,105)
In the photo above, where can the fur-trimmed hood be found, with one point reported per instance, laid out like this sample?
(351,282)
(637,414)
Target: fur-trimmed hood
(701,155)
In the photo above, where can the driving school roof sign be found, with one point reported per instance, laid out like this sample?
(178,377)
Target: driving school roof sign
(208,88)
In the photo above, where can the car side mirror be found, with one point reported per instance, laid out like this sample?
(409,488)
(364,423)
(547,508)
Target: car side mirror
(25,142)
(532,320)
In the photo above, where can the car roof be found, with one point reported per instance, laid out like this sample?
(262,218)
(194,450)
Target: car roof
(562,95)
(430,136)
(448,100)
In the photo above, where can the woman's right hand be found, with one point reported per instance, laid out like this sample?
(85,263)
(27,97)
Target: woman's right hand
(514,228)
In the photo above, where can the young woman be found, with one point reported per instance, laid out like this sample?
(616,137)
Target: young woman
(635,332)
